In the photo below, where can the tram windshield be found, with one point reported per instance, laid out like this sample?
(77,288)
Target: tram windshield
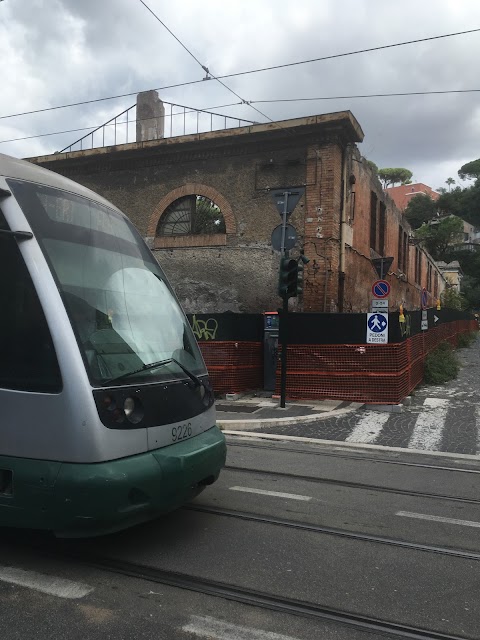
(119,302)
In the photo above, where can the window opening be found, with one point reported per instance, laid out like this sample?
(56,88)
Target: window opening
(191,215)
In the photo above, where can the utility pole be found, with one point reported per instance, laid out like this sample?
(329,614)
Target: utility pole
(284,318)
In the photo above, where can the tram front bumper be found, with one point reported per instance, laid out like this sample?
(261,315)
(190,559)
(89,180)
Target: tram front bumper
(95,499)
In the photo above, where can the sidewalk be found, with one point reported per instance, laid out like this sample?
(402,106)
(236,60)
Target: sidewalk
(443,418)
(251,412)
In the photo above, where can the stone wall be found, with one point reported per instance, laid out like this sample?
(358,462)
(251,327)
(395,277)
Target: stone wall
(238,169)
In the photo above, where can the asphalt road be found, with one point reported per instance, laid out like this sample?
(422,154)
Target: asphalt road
(296,541)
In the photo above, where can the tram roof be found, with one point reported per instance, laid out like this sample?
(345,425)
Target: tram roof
(22,170)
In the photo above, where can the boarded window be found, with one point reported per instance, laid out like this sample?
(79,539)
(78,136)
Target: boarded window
(373,220)
(418,266)
(381,229)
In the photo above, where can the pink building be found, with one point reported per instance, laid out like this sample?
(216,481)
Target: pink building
(404,193)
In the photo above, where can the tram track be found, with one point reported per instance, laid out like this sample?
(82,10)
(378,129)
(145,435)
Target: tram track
(362,458)
(332,531)
(260,599)
(353,485)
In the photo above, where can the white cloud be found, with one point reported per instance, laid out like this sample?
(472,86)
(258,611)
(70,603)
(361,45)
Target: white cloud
(61,51)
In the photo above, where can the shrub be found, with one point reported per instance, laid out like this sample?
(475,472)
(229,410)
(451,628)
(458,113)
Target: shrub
(466,339)
(441,365)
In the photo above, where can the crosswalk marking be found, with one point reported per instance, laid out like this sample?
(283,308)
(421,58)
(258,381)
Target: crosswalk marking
(369,427)
(427,434)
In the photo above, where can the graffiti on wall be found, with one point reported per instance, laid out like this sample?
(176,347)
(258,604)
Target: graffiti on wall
(204,329)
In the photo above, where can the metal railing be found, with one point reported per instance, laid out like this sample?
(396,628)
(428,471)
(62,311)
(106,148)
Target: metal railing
(188,120)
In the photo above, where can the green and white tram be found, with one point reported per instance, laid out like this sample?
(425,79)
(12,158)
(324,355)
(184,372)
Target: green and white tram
(107,417)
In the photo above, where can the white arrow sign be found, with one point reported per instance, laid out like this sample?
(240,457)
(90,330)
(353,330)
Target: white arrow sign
(435,319)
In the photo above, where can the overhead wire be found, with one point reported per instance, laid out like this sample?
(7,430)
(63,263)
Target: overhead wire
(368,95)
(235,104)
(239,73)
(204,67)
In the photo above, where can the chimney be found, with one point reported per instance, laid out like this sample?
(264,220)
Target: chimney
(150,116)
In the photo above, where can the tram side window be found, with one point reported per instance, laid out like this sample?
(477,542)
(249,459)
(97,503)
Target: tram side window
(27,356)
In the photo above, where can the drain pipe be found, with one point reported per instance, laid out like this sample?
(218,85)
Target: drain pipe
(343,222)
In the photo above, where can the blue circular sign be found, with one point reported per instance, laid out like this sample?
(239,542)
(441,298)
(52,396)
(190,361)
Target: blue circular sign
(381,289)
(377,323)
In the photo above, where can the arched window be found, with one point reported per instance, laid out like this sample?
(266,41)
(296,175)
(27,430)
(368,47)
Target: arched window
(191,215)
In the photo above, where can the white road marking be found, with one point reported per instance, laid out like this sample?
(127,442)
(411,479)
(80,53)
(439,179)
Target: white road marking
(369,427)
(425,516)
(205,627)
(428,430)
(477,420)
(52,585)
(276,494)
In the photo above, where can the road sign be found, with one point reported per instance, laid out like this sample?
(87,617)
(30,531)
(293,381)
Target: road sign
(377,328)
(379,306)
(381,289)
(382,265)
(424,298)
(290,237)
(291,194)
(424,325)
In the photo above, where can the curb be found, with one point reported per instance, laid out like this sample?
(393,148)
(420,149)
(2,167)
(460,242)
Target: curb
(268,422)
(341,444)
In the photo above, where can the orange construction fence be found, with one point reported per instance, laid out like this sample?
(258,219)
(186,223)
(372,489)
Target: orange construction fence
(383,374)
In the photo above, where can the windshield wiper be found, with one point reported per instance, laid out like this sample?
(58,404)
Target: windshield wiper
(155,365)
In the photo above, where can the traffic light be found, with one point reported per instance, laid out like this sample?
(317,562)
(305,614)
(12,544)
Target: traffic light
(288,278)
(302,261)
(299,287)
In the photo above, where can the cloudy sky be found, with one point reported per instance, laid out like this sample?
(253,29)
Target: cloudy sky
(56,52)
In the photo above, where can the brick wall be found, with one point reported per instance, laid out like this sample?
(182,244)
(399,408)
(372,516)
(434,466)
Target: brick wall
(238,270)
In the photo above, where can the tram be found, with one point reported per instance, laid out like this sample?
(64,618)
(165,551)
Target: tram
(107,417)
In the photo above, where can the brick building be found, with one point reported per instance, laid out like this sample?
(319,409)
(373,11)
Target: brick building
(204,203)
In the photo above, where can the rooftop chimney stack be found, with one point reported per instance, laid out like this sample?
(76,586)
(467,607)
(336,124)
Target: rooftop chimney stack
(150,116)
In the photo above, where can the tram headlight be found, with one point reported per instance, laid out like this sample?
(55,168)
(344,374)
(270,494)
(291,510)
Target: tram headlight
(133,410)
(129,406)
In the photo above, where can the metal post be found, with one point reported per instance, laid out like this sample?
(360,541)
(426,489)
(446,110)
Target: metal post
(284,318)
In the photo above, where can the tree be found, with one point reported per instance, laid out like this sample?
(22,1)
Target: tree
(471,291)
(470,170)
(208,217)
(452,299)
(420,209)
(464,203)
(449,181)
(440,237)
(390,176)
(373,166)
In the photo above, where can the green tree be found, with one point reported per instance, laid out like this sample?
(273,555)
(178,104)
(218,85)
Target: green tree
(470,170)
(471,291)
(440,237)
(208,218)
(420,209)
(449,181)
(373,166)
(452,299)
(464,203)
(392,176)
